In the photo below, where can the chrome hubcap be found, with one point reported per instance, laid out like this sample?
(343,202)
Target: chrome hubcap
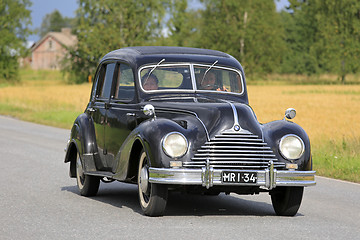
(79,167)
(144,179)
(80,172)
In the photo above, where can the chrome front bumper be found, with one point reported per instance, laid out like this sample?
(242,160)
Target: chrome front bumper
(208,177)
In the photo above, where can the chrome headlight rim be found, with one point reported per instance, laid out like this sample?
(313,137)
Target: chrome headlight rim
(299,155)
(167,151)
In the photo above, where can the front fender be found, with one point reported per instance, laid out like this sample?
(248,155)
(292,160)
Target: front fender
(274,131)
(149,135)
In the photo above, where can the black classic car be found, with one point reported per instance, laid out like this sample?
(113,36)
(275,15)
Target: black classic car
(173,118)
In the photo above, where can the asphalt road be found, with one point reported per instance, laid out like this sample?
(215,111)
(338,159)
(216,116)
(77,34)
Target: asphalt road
(39,201)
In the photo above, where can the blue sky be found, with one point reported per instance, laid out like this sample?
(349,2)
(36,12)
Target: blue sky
(67,8)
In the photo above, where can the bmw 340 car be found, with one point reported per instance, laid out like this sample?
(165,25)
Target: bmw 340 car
(178,119)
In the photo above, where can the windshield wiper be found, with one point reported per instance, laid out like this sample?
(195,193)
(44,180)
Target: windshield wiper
(162,60)
(207,70)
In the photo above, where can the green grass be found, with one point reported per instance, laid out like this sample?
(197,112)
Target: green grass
(338,159)
(55,118)
(63,119)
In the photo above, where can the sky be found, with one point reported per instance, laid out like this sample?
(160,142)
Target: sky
(67,8)
(40,8)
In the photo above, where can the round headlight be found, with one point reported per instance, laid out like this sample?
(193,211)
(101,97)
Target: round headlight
(175,145)
(291,147)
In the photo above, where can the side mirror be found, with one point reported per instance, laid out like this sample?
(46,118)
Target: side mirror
(290,113)
(149,110)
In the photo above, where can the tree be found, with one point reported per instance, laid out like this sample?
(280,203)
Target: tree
(248,30)
(14,21)
(106,25)
(54,22)
(338,37)
(328,35)
(299,37)
(183,24)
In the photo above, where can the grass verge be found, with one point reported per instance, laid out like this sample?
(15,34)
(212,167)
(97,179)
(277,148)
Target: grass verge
(338,159)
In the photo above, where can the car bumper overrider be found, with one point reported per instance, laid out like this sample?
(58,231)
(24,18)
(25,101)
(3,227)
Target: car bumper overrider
(208,177)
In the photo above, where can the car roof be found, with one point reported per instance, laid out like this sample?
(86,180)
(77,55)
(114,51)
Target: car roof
(138,56)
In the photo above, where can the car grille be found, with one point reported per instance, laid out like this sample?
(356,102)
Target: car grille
(233,150)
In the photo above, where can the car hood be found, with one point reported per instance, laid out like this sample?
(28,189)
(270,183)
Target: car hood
(217,115)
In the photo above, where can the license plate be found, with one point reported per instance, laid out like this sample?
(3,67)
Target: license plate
(238,177)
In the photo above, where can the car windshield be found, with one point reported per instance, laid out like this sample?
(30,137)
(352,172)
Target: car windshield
(171,77)
(217,79)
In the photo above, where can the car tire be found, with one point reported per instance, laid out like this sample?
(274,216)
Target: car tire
(286,201)
(152,197)
(88,185)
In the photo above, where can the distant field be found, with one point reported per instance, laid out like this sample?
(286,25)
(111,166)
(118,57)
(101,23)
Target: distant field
(44,97)
(330,114)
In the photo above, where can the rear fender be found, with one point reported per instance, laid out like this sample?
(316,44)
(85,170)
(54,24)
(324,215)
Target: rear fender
(83,141)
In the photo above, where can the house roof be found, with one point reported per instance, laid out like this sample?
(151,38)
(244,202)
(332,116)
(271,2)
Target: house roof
(64,38)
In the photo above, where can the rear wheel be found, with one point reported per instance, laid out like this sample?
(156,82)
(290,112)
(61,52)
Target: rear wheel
(88,185)
(286,201)
(152,197)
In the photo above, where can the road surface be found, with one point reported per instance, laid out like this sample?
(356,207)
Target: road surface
(39,201)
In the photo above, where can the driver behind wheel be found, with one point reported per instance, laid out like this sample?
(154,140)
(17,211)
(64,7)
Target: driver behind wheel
(208,82)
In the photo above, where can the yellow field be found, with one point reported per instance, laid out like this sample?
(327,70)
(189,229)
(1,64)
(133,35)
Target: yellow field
(325,112)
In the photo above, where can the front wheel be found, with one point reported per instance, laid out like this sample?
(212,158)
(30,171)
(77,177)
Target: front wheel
(152,197)
(286,200)
(88,185)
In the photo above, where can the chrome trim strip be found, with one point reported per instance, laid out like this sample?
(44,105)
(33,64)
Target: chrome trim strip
(236,117)
(206,131)
(208,177)
(193,79)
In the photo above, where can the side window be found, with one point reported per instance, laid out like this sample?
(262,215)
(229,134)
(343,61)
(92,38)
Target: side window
(99,81)
(125,89)
(105,80)
(106,90)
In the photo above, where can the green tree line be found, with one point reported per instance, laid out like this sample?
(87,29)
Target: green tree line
(310,37)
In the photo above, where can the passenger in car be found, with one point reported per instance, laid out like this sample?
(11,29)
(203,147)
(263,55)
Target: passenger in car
(150,82)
